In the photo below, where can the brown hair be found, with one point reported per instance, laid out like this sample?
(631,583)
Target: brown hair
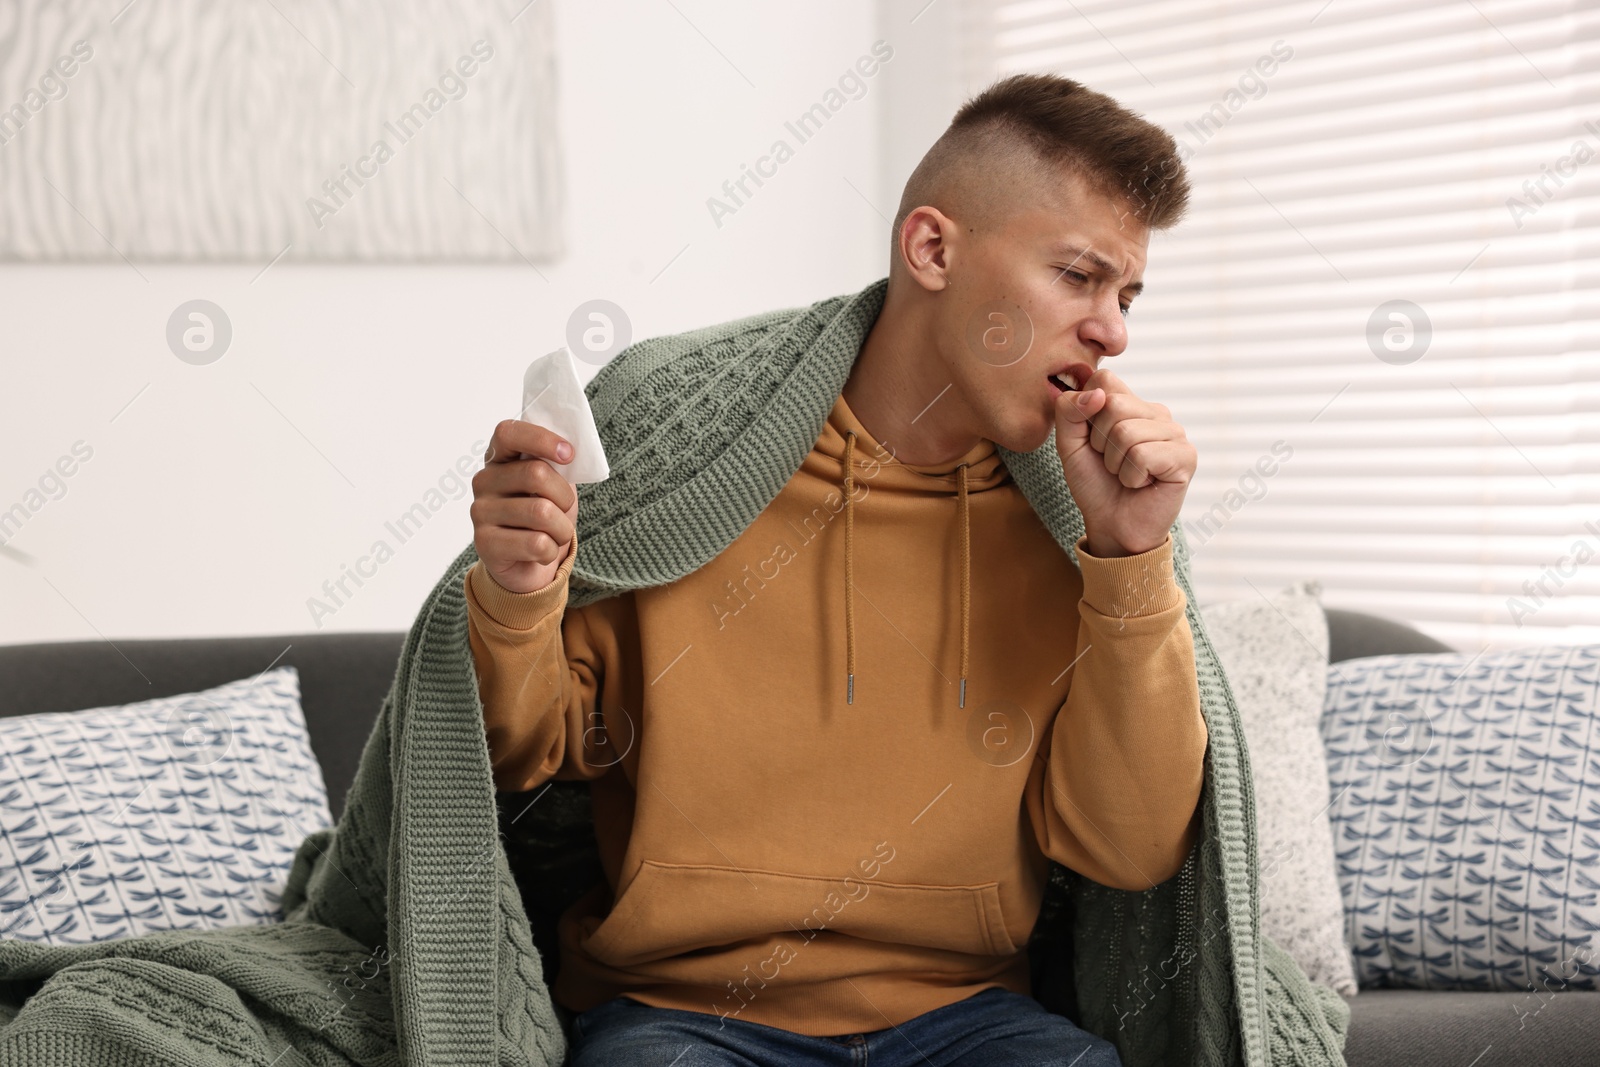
(1040,123)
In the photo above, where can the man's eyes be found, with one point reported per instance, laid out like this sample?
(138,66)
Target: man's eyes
(1080,278)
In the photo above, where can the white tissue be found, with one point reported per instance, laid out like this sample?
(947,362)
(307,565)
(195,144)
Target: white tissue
(552,397)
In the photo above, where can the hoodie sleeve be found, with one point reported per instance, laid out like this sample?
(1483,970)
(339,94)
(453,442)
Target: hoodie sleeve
(540,671)
(1115,794)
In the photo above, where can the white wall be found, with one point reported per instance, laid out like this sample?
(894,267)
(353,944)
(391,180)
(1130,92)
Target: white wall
(220,500)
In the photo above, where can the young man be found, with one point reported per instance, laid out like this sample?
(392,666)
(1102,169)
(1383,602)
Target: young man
(830,767)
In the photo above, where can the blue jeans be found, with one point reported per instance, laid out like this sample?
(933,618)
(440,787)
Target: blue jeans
(993,1026)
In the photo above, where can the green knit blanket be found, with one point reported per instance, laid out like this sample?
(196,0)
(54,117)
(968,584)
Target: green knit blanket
(408,939)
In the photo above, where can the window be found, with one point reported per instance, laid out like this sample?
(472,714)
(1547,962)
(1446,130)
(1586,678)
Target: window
(1380,321)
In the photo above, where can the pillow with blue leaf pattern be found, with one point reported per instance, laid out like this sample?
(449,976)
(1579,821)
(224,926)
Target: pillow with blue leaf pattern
(180,813)
(1466,813)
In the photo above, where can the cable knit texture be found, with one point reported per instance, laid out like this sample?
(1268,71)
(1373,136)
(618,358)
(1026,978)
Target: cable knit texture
(405,940)
(408,940)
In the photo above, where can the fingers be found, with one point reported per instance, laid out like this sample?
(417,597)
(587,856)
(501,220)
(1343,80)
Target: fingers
(509,547)
(524,510)
(1103,406)
(1125,429)
(1073,412)
(1149,462)
(513,439)
(528,514)
(1116,440)
(522,478)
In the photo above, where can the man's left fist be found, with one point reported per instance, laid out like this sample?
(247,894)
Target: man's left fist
(1126,461)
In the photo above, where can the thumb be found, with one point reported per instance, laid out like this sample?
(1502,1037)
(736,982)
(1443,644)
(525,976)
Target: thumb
(1073,411)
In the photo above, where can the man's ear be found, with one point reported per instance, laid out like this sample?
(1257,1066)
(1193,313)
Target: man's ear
(927,238)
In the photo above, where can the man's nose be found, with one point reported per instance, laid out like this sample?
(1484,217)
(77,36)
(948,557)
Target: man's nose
(1105,333)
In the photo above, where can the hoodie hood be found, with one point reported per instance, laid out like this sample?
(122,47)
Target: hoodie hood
(861,456)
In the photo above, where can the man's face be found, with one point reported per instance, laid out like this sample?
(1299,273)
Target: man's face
(1043,292)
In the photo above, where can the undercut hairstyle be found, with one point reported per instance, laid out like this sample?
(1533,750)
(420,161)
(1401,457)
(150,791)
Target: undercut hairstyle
(1009,145)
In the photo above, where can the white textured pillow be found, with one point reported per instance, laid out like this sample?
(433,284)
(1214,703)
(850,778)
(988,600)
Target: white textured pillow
(177,813)
(1275,654)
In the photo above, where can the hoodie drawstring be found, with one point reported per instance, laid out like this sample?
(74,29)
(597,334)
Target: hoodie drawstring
(849,570)
(966,573)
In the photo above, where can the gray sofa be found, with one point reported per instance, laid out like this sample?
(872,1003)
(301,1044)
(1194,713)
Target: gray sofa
(344,678)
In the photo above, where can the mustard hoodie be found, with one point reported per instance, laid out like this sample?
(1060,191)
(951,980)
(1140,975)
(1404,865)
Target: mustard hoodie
(829,768)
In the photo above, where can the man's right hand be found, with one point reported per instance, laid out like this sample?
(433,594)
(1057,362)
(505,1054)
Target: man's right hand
(524,511)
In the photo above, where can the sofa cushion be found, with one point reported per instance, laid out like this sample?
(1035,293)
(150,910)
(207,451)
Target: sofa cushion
(1466,810)
(1275,653)
(176,813)
(1553,1027)
(343,679)
(1355,634)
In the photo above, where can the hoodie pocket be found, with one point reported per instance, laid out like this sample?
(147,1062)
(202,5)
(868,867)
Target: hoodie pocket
(672,908)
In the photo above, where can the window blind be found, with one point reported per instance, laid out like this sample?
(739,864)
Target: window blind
(1380,321)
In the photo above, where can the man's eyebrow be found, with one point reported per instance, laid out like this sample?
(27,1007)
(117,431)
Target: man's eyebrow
(1096,260)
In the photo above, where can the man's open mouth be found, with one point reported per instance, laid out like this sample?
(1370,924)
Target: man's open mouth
(1063,382)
